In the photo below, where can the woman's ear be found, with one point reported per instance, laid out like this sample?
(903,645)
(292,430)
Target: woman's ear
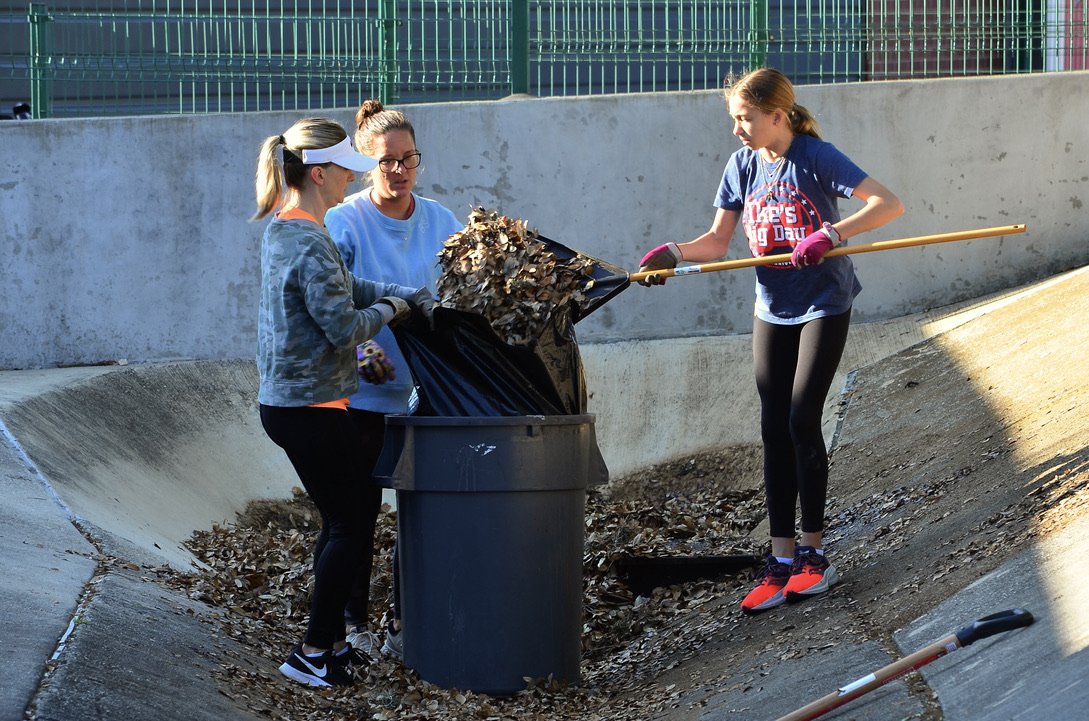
(317,174)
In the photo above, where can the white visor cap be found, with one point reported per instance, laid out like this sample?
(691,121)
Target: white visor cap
(342,154)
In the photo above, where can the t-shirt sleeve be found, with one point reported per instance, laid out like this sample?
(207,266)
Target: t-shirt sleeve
(729,196)
(837,172)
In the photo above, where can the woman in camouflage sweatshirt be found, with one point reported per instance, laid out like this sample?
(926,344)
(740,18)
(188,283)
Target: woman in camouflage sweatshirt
(313,313)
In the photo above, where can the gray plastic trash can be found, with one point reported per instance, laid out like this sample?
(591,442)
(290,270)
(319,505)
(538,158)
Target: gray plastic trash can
(490,524)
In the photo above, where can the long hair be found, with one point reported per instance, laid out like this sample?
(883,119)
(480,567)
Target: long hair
(273,174)
(769,90)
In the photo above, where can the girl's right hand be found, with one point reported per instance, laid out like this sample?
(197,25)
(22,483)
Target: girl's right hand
(664,256)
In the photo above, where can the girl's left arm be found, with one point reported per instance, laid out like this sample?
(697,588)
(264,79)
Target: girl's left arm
(880,206)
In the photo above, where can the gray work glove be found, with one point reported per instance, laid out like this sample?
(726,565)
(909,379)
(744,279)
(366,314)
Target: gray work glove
(424,302)
(400,309)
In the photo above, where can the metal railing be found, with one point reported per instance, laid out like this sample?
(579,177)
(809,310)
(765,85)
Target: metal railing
(195,56)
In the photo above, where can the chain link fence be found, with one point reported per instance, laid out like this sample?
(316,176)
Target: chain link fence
(196,56)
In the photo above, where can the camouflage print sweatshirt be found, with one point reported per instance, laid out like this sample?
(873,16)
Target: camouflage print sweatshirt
(313,313)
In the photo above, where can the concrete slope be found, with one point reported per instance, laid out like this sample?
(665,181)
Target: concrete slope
(44,566)
(130,460)
(144,455)
(960,488)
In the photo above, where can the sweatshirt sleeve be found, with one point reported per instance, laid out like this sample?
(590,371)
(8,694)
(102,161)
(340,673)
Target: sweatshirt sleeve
(366,292)
(341,232)
(330,293)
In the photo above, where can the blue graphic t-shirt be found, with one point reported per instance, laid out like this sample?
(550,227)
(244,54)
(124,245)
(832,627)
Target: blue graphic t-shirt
(782,203)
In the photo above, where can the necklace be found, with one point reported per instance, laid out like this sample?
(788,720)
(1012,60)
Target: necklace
(772,171)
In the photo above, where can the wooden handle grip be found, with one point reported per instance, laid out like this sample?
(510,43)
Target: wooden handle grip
(842,250)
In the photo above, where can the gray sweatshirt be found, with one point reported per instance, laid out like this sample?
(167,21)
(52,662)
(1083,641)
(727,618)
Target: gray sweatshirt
(312,315)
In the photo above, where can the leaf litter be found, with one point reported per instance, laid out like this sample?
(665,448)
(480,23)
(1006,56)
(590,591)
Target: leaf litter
(663,656)
(498,268)
(259,574)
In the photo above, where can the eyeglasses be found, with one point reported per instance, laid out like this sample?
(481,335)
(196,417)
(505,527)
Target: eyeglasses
(409,162)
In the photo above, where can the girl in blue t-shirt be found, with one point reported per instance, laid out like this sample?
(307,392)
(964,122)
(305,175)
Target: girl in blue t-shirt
(782,187)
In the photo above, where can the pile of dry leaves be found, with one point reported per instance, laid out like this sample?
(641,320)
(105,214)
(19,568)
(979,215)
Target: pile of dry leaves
(259,574)
(498,268)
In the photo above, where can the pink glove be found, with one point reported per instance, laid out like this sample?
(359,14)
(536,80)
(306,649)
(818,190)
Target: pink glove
(666,255)
(373,365)
(811,250)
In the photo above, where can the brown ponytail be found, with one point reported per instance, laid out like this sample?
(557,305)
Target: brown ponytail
(803,122)
(770,90)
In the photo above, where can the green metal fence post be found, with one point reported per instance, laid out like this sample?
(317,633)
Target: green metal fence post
(38,18)
(519,47)
(759,34)
(387,51)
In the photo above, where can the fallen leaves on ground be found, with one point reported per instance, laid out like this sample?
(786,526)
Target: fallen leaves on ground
(259,574)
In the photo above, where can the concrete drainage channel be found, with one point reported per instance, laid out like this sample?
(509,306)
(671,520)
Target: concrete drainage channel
(129,646)
(105,472)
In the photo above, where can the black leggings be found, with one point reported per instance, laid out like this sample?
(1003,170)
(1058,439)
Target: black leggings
(795,365)
(372,428)
(327,448)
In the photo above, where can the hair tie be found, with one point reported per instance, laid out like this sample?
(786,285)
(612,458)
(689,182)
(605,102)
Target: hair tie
(288,156)
(282,141)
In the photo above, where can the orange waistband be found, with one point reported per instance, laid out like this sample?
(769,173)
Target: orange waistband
(341,403)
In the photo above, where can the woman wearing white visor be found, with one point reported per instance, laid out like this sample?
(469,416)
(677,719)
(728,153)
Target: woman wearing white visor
(313,313)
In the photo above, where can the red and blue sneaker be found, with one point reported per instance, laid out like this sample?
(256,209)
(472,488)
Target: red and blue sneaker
(810,575)
(769,593)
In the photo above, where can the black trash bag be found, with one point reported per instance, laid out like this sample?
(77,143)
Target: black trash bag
(606,280)
(463,368)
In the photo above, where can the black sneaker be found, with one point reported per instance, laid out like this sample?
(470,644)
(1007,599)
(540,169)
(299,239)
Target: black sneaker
(327,669)
(352,658)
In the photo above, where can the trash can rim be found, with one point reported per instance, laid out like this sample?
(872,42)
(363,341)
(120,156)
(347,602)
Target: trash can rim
(550,420)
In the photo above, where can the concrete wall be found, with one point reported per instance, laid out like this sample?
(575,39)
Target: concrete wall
(128,237)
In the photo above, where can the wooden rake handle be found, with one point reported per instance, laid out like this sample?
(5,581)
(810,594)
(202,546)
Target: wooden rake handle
(983,628)
(841,250)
